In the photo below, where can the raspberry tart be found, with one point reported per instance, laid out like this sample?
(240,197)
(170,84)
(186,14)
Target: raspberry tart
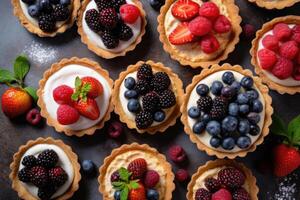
(198,33)
(276,54)
(140,170)
(274,4)
(46,18)
(226,111)
(75,96)
(111,28)
(222,179)
(45,169)
(147,97)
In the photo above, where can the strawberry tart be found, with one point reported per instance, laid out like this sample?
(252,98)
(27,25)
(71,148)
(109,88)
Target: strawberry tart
(75,96)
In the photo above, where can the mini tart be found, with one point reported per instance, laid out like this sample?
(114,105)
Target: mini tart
(42,104)
(103,52)
(14,166)
(250,182)
(134,151)
(176,85)
(274,4)
(291,19)
(233,15)
(267,117)
(18,12)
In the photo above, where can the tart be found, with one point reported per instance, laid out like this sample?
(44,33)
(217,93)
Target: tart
(226,111)
(105,33)
(198,33)
(75,96)
(141,167)
(147,97)
(208,181)
(276,54)
(45,169)
(274,4)
(46,18)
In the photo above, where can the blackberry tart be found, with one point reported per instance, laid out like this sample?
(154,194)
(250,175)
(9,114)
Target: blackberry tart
(147,97)
(46,18)
(226,111)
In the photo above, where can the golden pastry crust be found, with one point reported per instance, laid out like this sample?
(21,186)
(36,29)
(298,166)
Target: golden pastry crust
(14,167)
(274,4)
(18,12)
(253,51)
(268,111)
(250,179)
(235,19)
(176,87)
(170,186)
(102,52)
(53,122)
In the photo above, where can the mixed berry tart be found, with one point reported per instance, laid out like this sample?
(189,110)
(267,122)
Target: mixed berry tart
(147,97)
(46,18)
(274,4)
(222,180)
(111,28)
(276,54)
(136,172)
(75,96)
(45,169)
(226,111)
(199,33)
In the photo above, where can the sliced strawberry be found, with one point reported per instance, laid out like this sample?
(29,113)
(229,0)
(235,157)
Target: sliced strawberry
(181,34)
(185,10)
(88,108)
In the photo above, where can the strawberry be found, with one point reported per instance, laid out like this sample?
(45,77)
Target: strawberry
(181,35)
(138,168)
(62,94)
(96,87)
(185,10)
(67,114)
(87,108)
(137,194)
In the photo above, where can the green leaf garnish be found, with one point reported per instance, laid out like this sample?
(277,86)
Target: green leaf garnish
(124,193)
(32,92)
(278,127)
(134,184)
(6,76)
(124,174)
(81,91)
(21,67)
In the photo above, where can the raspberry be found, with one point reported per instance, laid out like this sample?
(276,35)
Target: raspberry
(115,129)
(167,99)
(143,119)
(270,42)
(39,176)
(182,175)
(231,177)
(67,115)
(249,30)
(142,86)
(283,68)
(209,44)
(222,24)
(240,194)
(200,26)
(202,194)
(160,81)
(33,116)
(177,153)
(129,13)
(212,184)
(289,49)
(47,158)
(29,161)
(209,10)
(144,72)
(282,31)
(150,102)
(62,94)
(205,103)
(151,179)
(57,176)
(296,74)
(60,12)
(92,18)
(267,58)
(296,33)
(24,175)
(221,194)
(45,193)
(138,168)
(115,176)
(108,18)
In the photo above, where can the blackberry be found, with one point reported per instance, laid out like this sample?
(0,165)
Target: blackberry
(220,101)
(125,32)
(116,4)
(39,176)
(57,176)
(202,194)
(150,102)
(167,99)
(92,19)
(109,18)
(219,108)
(231,177)
(61,13)
(115,176)
(24,175)
(109,39)
(103,4)
(142,86)
(205,103)
(47,158)
(45,193)
(145,72)
(161,81)
(240,194)
(143,119)
(46,22)
(212,184)
(29,161)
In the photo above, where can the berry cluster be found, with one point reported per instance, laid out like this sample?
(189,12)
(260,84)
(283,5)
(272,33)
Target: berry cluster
(155,95)
(48,12)
(198,24)
(43,172)
(106,22)
(231,115)
(226,186)
(281,54)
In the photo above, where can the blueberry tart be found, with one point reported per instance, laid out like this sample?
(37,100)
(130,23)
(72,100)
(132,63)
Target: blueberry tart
(147,97)
(226,111)
(274,4)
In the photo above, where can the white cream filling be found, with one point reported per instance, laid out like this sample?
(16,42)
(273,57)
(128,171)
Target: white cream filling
(63,162)
(205,137)
(96,39)
(66,76)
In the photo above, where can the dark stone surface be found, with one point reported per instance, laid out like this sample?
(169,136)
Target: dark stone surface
(15,40)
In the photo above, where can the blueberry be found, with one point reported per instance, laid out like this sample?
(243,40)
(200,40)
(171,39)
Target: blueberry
(229,124)
(236,86)
(257,106)
(254,130)
(244,127)
(199,127)
(233,109)
(205,118)
(252,95)
(156,4)
(34,10)
(228,143)
(133,105)
(253,118)
(129,94)
(242,98)
(227,92)
(129,83)
(247,82)
(29,2)
(65,2)
(159,116)
(88,167)
(117,195)
(244,109)
(152,194)
(45,5)
(202,89)
(215,142)
(213,128)
(243,142)
(194,112)
(216,87)
(228,78)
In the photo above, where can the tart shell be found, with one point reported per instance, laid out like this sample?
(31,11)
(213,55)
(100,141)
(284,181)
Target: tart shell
(18,12)
(259,34)
(268,111)
(53,122)
(14,166)
(274,4)
(251,180)
(235,18)
(102,52)
(170,186)
(176,83)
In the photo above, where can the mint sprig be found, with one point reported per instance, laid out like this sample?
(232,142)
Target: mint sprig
(81,90)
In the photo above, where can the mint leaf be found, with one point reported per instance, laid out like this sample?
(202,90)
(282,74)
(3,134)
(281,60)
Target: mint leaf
(134,184)
(78,83)
(293,129)
(124,174)
(278,127)
(6,76)
(21,67)
(124,193)
(118,185)
(32,92)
